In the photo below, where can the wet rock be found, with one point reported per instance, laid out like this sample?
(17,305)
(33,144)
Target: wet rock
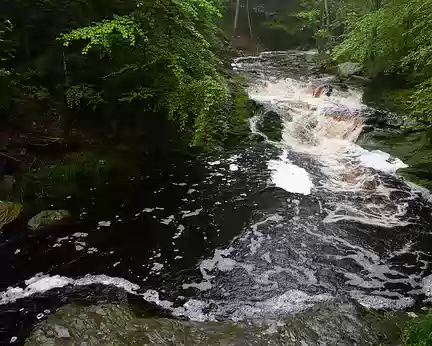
(9,212)
(48,218)
(347,69)
(337,323)
(61,332)
(271,125)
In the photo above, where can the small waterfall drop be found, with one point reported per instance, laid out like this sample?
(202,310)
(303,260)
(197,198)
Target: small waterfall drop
(326,128)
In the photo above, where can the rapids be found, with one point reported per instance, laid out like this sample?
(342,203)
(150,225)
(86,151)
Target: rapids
(251,234)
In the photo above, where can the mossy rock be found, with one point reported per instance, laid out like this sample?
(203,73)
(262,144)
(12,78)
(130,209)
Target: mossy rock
(335,323)
(48,218)
(9,212)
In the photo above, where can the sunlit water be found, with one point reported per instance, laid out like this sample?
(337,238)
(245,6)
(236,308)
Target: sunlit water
(259,233)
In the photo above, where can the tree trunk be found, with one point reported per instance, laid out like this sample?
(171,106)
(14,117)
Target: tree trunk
(236,16)
(249,20)
(326,8)
(65,71)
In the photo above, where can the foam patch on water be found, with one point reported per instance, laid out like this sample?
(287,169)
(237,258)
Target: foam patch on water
(382,303)
(43,283)
(290,177)
(378,160)
(289,302)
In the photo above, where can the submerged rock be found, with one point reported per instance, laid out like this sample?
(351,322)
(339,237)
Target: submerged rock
(347,69)
(48,218)
(338,323)
(9,212)
(255,138)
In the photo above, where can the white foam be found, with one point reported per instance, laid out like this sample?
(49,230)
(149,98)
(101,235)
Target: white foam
(214,163)
(43,283)
(233,167)
(290,177)
(157,267)
(427,286)
(152,296)
(80,235)
(192,213)
(382,303)
(378,160)
(168,220)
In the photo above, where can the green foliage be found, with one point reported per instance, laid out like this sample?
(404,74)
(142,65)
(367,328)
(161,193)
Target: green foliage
(80,165)
(67,175)
(160,56)
(78,94)
(119,57)
(419,331)
(419,103)
(294,17)
(226,125)
(311,16)
(395,38)
(107,33)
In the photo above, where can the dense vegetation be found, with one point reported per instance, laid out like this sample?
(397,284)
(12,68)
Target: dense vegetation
(83,59)
(387,37)
(84,82)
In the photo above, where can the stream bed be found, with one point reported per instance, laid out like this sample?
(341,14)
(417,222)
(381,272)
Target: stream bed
(255,234)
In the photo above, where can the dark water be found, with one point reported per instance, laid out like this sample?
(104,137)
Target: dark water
(257,233)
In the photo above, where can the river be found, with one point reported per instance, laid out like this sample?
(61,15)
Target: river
(257,233)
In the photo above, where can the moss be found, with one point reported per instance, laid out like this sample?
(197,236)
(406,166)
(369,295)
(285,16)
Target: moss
(413,147)
(9,212)
(66,176)
(74,166)
(419,331)
(226,125)
(396,100)
(389,324)
(332,323)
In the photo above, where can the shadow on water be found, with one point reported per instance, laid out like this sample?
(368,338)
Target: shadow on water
(160,224)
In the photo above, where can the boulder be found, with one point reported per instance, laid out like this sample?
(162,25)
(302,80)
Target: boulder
(338,323)
(270,124)
(9,212)
(48,218)
(347,69)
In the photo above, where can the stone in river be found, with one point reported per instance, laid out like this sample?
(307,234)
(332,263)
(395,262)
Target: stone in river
(9,212)
(48,218)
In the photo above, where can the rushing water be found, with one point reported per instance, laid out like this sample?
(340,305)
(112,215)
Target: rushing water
(257,233)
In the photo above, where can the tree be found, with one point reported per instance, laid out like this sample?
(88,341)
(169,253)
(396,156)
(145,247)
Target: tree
(161,56)
(394,37)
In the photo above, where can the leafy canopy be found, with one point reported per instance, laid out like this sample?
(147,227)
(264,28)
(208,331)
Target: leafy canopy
(396,38)
(161,55)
